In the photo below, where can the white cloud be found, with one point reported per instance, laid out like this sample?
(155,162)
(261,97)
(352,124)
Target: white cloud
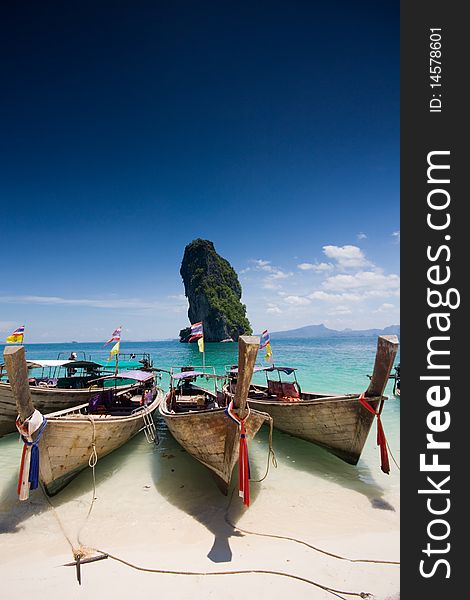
(340,310)
(279,274)
(361,236)
(118,303)
(326,297)
(317,267)
(8,326)
(270,285)
(297,300)
(396,235)
(180,297)
(385,307)
(347,257)
(371,281)
(273,309)
(262,264)
(273,274)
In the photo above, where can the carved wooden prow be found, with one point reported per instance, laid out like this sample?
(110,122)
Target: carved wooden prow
(247,352)
(15,363)
(387,347)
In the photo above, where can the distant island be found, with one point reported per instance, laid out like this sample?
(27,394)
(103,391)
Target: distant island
(319,331)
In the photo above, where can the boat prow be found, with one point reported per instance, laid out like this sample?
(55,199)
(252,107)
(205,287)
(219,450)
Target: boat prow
(198,420)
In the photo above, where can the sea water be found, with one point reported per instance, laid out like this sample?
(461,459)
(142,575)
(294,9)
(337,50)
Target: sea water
(159,490)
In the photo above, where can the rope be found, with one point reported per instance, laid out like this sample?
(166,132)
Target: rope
(270,449)
(93,459)
(291,539)
(81,551)
(56,515)
(393,458)
(333,591)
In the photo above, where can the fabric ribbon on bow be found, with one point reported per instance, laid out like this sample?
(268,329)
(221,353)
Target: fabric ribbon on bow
(243,460)
(28,478)
(381,439)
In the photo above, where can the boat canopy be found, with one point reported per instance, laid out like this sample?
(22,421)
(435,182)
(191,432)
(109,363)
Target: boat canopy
(188,374)
(286,370)
(135,375)
(256,369)
(77,364)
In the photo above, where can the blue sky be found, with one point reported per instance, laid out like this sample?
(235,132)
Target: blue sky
(129,129)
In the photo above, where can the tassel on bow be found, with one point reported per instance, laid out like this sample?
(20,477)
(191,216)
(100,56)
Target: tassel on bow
(381,439)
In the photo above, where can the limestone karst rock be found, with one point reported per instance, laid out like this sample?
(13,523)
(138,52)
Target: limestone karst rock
(214,294)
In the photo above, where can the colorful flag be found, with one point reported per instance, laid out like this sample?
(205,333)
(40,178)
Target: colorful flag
(265,342)
(264,339)
(196,331)
(17,336)
(200,344)
(269,352)
(116,336)
(114,350)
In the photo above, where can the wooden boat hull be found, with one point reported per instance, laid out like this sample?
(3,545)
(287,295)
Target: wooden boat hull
(66,444)
(338,423)
(45,399)
(211,437)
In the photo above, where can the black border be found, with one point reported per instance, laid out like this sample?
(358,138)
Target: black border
(422,132)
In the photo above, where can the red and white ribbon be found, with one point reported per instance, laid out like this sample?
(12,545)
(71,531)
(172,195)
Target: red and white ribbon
(243,460)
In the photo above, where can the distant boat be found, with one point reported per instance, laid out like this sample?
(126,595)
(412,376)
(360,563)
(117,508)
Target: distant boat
(197,418)
(339,423)
(226,340)
(61,384)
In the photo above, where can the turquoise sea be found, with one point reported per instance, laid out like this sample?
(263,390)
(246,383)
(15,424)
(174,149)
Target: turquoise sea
(336,364)
(172,494)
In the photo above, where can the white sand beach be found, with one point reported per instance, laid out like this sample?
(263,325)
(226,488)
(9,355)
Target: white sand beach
(159,509)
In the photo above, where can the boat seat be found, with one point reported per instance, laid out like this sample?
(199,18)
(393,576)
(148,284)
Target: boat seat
(289,390)
(282,389)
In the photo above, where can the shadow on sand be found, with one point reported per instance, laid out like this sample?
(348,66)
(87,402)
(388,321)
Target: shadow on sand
(13,512)
(189,486)
(299,454)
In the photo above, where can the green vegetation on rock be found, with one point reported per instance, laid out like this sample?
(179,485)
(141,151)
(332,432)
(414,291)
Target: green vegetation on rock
(214,293)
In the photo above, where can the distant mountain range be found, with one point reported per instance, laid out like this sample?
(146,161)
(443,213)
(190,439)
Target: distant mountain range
(318,331)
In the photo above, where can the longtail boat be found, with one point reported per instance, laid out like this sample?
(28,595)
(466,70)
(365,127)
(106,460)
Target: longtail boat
(200,420)
(339,423)
(67,441)
(54,385)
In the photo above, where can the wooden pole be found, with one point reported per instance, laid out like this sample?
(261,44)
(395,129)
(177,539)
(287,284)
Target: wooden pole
(387,346)
(15,362)
(247,352)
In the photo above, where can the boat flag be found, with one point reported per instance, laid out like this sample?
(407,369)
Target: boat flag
(200,344)
(196,331)
(17,336)
(265,342)
(116,336)
(114,350)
